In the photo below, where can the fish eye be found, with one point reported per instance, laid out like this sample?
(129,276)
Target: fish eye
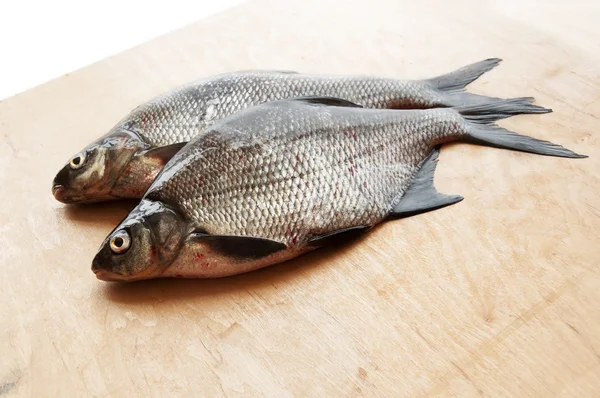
(120,242)
(77,161)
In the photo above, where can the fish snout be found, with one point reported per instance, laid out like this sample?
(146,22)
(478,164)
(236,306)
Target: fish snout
(58,191)
(66,191)
(61,193)
(62,177)
(104,274)
(60,184)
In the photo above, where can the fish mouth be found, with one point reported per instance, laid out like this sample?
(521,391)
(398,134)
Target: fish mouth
(62,192)
(67,196)
(108,276)
(62,195)
(58,191)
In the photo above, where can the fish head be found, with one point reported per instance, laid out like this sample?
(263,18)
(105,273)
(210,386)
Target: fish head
(142,246)
(91,174)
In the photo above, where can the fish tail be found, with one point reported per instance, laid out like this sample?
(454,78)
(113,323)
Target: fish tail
(495,109)
(452,85)
(482,130)
(460,78)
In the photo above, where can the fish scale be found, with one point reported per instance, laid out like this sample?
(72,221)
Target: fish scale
(124,162)
(182,110)
(282,178)
(335,164)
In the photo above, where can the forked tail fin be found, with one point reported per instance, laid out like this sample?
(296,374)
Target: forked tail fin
(451,87)
(482,130)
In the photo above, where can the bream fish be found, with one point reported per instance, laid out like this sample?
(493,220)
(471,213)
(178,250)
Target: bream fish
(124,162)
(286,177)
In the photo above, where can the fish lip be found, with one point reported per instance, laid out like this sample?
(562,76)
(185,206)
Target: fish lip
(58,191)
(60,194)
(108,276)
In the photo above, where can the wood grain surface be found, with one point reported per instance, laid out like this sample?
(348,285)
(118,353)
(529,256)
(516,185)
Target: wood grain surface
(496,296)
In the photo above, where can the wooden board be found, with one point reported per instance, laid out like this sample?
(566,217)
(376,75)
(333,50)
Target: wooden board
(498,295)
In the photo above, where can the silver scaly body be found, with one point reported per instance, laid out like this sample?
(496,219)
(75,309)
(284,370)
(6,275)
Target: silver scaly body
(124,162)
(282,178)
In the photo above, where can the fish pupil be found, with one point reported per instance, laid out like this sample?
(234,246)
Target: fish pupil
(76,160)
(118,242)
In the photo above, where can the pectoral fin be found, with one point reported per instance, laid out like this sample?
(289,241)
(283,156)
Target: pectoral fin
(421,195)
(164,153)
(240,247)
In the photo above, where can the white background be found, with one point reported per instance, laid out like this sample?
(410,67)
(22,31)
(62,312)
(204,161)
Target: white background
(42,40)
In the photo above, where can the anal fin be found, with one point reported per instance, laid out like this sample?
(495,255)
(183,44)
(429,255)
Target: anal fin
(421,196)
(336,237)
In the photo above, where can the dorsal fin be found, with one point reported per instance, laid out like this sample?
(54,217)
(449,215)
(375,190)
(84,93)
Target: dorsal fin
(330,101)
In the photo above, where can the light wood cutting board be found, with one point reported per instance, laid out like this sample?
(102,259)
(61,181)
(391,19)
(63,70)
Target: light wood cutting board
(498,295)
